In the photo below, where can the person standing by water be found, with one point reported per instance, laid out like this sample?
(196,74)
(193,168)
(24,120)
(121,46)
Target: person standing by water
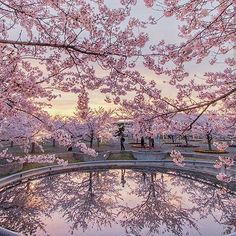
(120,133)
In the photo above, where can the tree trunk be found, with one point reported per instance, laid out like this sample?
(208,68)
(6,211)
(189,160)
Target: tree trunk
(12,143)
(98,142)
(91,138)
(54,142)
(172,138)
(33,147)
(91,143)
(186,140)
(150,142)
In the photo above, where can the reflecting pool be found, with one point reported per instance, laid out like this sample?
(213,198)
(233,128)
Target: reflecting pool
(121,202)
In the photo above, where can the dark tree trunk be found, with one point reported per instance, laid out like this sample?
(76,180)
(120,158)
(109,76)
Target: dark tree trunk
(33,147)
(186,139)
(172,138)
(12,143)
(98,142)
(91,142)
(91,139)
(54,142)
(150,142)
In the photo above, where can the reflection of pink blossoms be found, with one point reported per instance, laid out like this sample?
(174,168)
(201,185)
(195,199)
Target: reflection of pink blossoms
(222,191)
(232,201)
(223,177)
(221,146)
(177,158)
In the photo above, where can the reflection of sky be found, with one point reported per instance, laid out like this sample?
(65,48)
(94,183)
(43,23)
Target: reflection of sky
(175,200)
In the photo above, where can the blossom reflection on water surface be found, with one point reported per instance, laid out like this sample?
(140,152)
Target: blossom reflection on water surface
(118,202)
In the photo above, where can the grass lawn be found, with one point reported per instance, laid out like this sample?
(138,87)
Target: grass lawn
(210,151)
(121,156)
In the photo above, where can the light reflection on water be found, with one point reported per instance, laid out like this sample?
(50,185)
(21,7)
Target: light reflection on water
(117,203)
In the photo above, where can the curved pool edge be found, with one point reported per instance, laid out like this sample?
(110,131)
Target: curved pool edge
(7,232)
(201,167)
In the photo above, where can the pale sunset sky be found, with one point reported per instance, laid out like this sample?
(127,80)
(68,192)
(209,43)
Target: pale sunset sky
(167,29)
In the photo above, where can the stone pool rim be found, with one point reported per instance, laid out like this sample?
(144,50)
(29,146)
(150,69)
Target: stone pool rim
(197,167)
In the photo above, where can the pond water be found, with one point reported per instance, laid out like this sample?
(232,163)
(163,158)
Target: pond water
(121,202)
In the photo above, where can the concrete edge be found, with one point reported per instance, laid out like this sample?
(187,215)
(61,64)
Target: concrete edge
(6,232)
(29,174)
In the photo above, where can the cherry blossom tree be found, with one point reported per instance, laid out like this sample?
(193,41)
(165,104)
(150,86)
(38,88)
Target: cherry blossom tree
(25,131)
(68,41)
(211,125)
(96,124)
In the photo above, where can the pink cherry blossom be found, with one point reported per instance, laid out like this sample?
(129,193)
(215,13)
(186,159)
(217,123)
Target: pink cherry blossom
(223,177)
(177,158)
(221,146)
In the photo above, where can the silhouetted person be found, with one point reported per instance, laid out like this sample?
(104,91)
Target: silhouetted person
(122,140)
(142,142)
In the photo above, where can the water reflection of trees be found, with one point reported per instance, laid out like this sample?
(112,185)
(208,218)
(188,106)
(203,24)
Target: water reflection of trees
(94,200)
(208,199)
(160,210)
(21,209)
(90,201)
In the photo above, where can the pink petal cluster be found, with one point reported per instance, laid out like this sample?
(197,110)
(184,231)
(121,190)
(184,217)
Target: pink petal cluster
(218,164)
(45,158)
(62,137)
(5,155)
(177,158)
(221,146)
(226,162)
(149,3)
(86,150)
(223,177)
